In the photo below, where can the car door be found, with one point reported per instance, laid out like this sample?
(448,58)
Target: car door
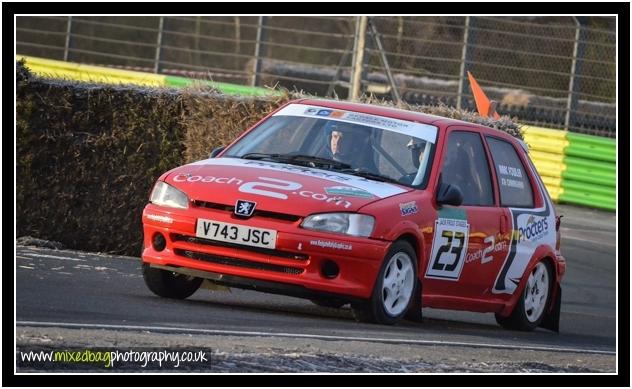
(464,258)
(531,218)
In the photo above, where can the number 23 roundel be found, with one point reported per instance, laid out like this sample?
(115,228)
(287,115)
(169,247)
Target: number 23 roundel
(449,247)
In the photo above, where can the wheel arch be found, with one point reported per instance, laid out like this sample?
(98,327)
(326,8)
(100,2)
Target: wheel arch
(546,257)
(417,245)
(551,319)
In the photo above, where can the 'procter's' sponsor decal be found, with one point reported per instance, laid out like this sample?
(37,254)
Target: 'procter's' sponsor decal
(532,229)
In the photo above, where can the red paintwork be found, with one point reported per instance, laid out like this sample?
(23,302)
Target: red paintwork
(303,201)
(359,266)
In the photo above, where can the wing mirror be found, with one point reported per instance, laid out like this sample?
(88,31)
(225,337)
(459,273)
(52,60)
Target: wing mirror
(216,151)
(449,194)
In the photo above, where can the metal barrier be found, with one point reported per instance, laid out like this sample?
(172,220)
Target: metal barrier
(551,71)
(575,168)
(81,72)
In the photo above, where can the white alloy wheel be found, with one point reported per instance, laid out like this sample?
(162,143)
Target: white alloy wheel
(536,292)
(398,284)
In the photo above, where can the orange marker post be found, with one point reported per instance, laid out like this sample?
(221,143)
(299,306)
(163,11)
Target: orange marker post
(483,105)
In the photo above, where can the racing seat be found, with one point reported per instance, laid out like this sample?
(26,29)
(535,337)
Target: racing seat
(458,171)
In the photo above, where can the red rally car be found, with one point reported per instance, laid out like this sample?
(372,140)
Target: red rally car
(385,209)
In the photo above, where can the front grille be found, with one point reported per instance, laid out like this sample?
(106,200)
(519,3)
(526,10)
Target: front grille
(237,262)
(261,250)
(256,213)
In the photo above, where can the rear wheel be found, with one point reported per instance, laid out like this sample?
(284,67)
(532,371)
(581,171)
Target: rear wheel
(534,301)
(169,284)
(394,289)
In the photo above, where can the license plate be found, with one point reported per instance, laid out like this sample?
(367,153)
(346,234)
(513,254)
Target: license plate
(236,233)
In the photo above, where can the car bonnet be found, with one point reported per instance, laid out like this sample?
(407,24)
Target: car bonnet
(278,187)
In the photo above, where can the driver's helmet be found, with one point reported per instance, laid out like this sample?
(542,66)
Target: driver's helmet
(345,141)
(416,147)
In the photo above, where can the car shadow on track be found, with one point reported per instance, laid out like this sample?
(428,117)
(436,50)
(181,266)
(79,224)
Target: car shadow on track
(257,311)
(295,311)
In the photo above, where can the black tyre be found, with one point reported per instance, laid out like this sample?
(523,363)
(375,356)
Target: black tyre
(169,284)
(533,302)
(329,303)
(395,287)
(414,312)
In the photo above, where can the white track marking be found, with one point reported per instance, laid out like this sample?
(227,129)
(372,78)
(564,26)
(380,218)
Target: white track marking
(55,257)
(583,239)
(552,348)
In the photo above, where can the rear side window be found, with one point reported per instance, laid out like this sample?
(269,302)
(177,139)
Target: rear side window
(465,165)
(513,180)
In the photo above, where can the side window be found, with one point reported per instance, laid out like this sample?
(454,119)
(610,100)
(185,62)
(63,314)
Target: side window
(465,165)
(393,159)
(513,180)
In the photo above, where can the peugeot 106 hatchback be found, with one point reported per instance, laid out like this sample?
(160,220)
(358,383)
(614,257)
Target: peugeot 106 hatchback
(385,209)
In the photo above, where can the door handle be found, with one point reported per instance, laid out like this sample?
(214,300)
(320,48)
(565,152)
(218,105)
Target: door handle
(503,224)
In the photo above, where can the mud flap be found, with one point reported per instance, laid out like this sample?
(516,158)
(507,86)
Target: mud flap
(552,320)
(415,312)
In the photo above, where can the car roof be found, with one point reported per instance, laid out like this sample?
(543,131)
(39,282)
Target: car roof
(397,113)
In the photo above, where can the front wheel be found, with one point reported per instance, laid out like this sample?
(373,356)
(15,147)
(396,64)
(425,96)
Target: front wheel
(394,289)
(169,284)
(533,303)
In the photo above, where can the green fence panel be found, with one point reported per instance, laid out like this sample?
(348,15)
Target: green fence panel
(582,198)
(591,147)
(587,178)
(596,140)
(593,172)
(591,152)
(597,166)
(582,187)
(179,82)
(229,89)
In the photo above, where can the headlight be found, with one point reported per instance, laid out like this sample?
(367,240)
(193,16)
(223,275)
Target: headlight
(168,196)
(342,223)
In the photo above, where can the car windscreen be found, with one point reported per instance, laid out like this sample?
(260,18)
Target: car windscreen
(371,146)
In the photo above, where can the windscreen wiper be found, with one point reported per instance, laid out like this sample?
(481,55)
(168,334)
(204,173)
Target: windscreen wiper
(260,156)
(299,159)
(369,175)
(313,161)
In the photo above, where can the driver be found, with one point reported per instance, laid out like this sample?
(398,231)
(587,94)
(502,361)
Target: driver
(416,148)
(341,144)
(349,143)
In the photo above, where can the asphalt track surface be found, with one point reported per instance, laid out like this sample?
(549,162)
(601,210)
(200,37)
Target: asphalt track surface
(80,289)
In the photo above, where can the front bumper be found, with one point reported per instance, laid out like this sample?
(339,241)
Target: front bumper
(297,260)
